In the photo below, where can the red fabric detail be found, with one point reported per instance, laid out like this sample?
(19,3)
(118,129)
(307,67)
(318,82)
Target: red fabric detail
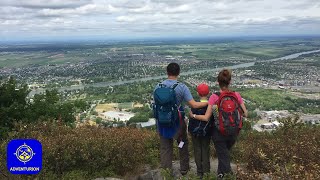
(240,112)
(231,120)
(180,117)
(228,106)
(221,125)
(181,123)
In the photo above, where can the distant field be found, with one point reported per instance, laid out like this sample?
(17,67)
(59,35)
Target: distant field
(241,50)
(110,106)
(267,99)
(106,107)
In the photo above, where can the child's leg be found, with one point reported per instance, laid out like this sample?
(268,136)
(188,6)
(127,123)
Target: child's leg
(205,155)
(197,154)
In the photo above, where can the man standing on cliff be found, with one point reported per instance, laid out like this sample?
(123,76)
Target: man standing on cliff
(170,118)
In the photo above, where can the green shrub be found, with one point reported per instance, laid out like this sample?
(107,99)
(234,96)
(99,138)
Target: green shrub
(90,151)
(291,152)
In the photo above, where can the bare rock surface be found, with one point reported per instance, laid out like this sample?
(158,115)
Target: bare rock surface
(156,173)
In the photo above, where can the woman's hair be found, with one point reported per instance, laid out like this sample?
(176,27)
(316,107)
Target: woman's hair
(224,78)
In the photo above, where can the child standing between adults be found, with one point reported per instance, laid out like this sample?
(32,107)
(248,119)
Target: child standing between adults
(225,131)
(201,132)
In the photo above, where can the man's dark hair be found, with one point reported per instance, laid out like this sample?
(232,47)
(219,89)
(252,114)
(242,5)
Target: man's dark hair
(173,69)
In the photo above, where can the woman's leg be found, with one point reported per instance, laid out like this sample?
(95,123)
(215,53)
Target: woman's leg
(223,157)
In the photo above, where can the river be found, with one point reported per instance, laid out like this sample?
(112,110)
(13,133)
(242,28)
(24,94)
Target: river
(105,84)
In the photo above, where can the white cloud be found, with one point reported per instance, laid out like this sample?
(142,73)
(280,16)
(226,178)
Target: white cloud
(125,19)
(144,9)
(149,17)
(179,9)
(82,10)
(45,3)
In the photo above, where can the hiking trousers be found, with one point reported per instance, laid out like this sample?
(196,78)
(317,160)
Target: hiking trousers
(166,150)
(223,145)
(201,148)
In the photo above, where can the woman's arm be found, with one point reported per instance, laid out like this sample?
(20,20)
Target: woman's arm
(205,117)
(245,111)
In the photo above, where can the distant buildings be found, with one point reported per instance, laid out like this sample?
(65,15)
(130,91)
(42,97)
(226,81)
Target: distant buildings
(269,119)
(151,122)
(116,116)
(267,126)
(311,119)
(270,116)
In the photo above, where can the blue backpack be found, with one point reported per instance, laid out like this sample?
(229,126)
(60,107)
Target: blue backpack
(165,105)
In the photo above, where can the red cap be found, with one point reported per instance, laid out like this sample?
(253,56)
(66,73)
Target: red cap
(203,89)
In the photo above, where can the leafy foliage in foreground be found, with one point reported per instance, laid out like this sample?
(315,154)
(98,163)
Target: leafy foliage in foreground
(94,152)
(15,106)
(291,152)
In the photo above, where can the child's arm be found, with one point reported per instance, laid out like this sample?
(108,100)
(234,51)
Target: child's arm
(205,117)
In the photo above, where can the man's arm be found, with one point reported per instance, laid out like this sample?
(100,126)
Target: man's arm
(192,103)
(188,98)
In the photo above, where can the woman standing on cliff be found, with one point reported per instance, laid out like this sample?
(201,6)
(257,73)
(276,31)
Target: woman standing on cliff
(227,107)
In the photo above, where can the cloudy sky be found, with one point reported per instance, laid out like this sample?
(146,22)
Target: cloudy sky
(156,18)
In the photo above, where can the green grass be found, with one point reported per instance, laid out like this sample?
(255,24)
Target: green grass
(127,105)
(267,99)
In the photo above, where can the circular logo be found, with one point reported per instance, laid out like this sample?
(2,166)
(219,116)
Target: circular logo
(24,153)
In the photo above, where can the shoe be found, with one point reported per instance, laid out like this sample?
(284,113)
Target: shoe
(220,176)
(184,172)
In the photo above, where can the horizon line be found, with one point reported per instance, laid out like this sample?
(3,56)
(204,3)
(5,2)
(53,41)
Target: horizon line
(77,39)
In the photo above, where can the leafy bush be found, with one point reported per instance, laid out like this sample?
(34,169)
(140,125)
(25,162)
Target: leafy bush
(291,152)
(94,152)
(16,106)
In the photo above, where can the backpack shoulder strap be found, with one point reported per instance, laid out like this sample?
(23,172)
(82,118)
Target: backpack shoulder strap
(217,93)
(175,85)
(161,85)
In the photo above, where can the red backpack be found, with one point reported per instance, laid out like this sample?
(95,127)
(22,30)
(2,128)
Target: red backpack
(229,112)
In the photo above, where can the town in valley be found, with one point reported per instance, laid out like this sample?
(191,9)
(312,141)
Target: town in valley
(278,77)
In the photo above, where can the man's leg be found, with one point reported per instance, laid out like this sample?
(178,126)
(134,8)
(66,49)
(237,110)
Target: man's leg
(196,141)
(184,151)
(166,153)
(205,145)
(223,157)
